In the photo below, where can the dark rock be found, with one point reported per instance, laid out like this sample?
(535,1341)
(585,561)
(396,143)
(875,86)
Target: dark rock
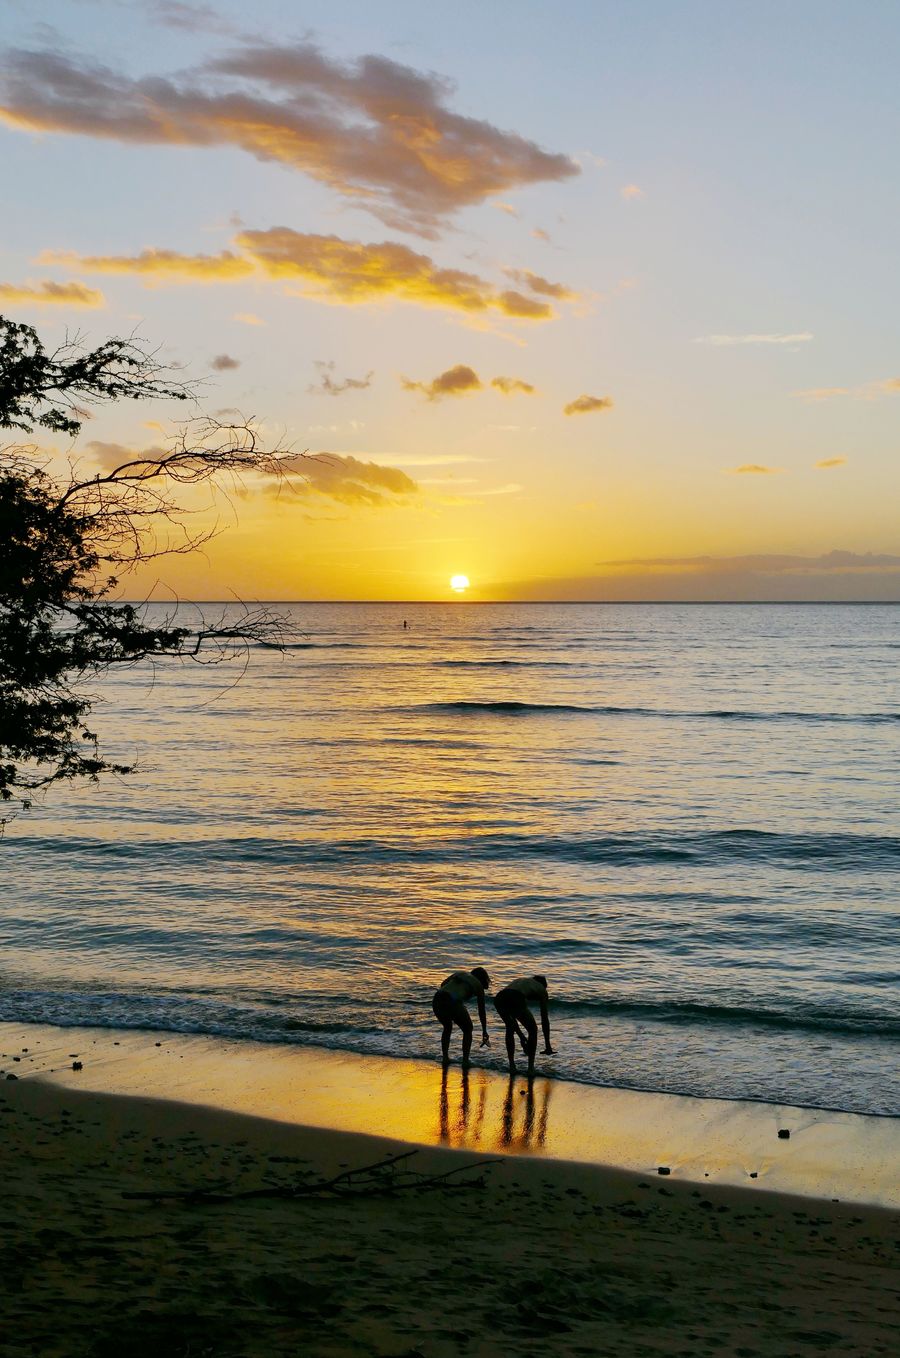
(663,1169)
(12,1077)
(78,1065)
(783,1134)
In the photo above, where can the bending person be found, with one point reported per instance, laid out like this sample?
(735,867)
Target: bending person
(449,1005)
(513,1005)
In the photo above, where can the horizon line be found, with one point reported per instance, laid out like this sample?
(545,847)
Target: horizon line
(536,603)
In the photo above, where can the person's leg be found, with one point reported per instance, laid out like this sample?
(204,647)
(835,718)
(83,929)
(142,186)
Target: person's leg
(442,1006)
(522,1038)
(465,1024)
(531,1027)
(511,1029)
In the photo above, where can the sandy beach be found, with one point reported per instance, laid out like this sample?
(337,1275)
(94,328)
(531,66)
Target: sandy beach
(543,1256)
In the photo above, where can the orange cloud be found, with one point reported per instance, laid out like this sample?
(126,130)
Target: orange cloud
(769,563)
(351,271)
(454,382)
(868,391)
(754,469)
(630,191)
(583,405)
(526,279)
(379,133)
(512,385)
(827,462)
(51,294)
(348,480)
(337,476)
(157,264)
(327,268)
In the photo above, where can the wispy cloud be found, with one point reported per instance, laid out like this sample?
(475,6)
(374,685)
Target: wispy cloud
(224,363)
(867,391)
(456,381)
(585,405)
(630,192)
(828,462)
(349,481)
(50,294)
(108,455)
(769,563)
(340,477)
(158,265)
(326,268)
(248,318)
(512,386)
(723,341)
(821,393)
(753,469)
(379,133)
(327,386)
(434,459)
(533,281)
(190,18)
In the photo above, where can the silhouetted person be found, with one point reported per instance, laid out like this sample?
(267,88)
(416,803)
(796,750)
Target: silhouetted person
(449,1005)
(512,1004)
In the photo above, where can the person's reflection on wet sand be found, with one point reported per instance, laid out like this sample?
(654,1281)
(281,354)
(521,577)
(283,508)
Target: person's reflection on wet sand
(526,1138)
(454,1131)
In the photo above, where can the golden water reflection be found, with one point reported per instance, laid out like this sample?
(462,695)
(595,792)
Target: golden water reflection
(471,1112)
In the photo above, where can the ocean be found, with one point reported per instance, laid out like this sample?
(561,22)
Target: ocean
(686,817)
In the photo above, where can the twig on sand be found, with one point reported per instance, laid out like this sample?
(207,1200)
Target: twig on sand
(382,1178)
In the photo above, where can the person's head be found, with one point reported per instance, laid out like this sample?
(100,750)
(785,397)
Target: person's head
(481,975)
(541,980)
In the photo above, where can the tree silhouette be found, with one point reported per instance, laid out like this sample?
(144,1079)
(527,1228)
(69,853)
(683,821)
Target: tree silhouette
(66,541)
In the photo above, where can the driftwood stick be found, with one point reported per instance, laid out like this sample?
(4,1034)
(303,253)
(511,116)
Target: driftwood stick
(364,1181)
(369,1169)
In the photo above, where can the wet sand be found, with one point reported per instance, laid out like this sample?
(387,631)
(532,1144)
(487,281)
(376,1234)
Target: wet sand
(825,1154)
(546,1257)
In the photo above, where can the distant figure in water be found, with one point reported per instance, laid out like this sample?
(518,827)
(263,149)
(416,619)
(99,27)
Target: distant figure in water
(405,625)
(449,1005)
(512,1004)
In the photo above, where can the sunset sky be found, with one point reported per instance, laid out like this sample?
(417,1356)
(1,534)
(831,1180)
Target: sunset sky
(586,301)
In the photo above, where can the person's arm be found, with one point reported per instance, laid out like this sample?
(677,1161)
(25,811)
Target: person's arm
(485,1040)
(545,1026)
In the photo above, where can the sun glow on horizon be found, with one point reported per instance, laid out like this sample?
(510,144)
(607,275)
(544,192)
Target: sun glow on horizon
(459,583)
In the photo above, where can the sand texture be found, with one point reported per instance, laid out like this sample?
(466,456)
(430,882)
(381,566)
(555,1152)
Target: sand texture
(546,1258)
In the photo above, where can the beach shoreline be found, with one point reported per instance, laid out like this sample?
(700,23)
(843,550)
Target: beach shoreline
(813,1153)
(542,1255)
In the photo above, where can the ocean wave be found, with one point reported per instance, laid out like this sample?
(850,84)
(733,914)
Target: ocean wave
(765,848)
(686,1012)
(508,664)
(518,708)
(501,705)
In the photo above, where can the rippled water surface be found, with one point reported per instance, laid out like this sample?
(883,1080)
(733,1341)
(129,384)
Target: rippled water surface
(687,817)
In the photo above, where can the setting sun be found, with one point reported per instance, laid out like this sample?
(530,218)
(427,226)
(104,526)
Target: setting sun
(459,583)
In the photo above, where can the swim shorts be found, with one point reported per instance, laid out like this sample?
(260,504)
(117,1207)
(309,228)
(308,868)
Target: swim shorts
(447,1009)
(511,1004)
